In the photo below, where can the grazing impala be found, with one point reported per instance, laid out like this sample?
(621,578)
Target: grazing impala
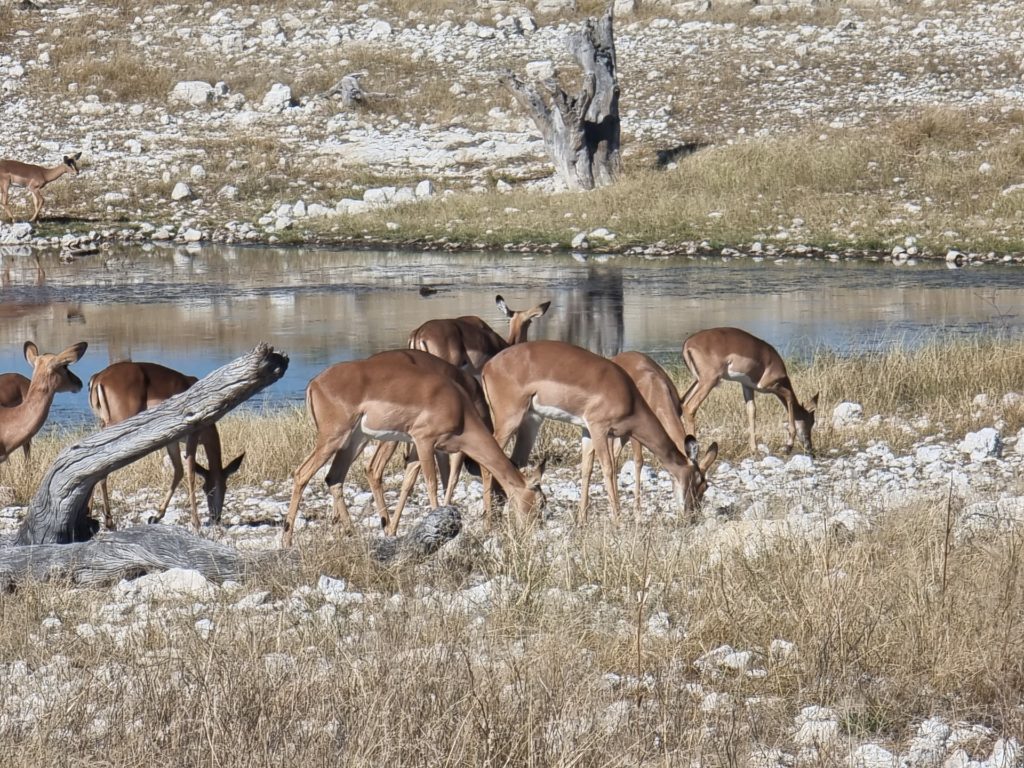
(50,374)
(468,342)
(735,355)
(125,389)
(377,398)
(386,448)
(538,380)
(33,178)
(660,393)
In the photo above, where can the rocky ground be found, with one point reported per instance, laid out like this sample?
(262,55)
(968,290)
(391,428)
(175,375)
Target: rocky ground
(215,124)
(753,507)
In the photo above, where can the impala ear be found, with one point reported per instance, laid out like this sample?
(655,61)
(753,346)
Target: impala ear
(231,468)
(542,308)
(72,354)
(31,353)
(709,458)
(202,471)
(78,155)
(503,306)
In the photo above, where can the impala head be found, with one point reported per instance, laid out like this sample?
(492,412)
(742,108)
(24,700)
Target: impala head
(52,370)
(519,320)
(531,501)
(694,479)
(71,161)
(803,417)
(215,485)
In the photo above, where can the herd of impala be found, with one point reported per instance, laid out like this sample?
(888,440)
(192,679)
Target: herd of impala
(459,389)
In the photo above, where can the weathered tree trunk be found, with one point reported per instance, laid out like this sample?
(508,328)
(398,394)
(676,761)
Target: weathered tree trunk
(581,132)
(112,556)
(59,512)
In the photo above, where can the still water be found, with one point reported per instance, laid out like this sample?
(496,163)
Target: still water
(195,310)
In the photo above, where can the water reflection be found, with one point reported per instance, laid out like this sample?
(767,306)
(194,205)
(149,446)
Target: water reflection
(196,309)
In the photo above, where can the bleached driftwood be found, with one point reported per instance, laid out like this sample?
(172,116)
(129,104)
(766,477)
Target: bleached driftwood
(581,132)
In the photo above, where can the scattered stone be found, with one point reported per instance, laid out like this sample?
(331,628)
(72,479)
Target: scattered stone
(181,191)
(193,92)
(984,444)
(278,97)
(847,414)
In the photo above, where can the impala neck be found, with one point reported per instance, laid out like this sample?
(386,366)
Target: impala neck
(50,174)
(21,422)
(209,438)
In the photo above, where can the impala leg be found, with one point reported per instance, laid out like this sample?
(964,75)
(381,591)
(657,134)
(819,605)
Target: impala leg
(412,470)
(4,190)
(108,517)
(375,476)
(604,456)
(748,398)
(638,464)
(323,450)
(174,453)
(191,446)
(454,469)
(695,396)
(37,199)
(336,480)
(27,450)
(791,426)
(429,467)
(526,436)
(586,470)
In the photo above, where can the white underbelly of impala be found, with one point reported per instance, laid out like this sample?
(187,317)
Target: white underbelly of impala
(383,434)
(552,412)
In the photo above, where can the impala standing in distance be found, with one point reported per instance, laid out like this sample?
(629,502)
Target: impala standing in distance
(50,374)
(376,398)
(33,178)
(660,393)
(733,354)
(538,380)
(468,342)
(124,389)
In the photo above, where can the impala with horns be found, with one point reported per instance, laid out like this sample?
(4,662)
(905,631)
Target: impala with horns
(378,398)
(468,342)
(127,388)
(386,448)
(538,380)
(50,375)
(33,178)
(733,354)
(660,393)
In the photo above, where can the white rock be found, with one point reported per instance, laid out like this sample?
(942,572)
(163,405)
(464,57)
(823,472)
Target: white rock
(624,7)
(926,454)
(197,172)
(781,650)
(181,191)
(846,414)
(800,463)
(192,235)
(278,97)
(1012,401)
(601,233)
(579,240)
(1006,754)
(380,30)
(983,444)
(333,590)
(299,209)
(540,70)
(425,188)
(872,756)
(228,192)
(194,92)
(173,583)
(404,195)
(555,6)
(379,195)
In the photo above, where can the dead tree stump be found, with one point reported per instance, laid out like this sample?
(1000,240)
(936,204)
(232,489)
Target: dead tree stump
(581,132)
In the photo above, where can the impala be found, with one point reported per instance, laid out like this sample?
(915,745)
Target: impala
(386,448)
(13,388)
(33,178)
(468,342)
(50,374)
(660,393)
(735,355)
(377,398)
(125,389)
(530,382)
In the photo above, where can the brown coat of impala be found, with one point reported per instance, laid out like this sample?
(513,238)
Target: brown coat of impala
(50,374)
(127,388)
(33,178)
(386,449)
(733,354)
(13,388)
(377,398)
(530,382)
(660,393)
(468,342)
